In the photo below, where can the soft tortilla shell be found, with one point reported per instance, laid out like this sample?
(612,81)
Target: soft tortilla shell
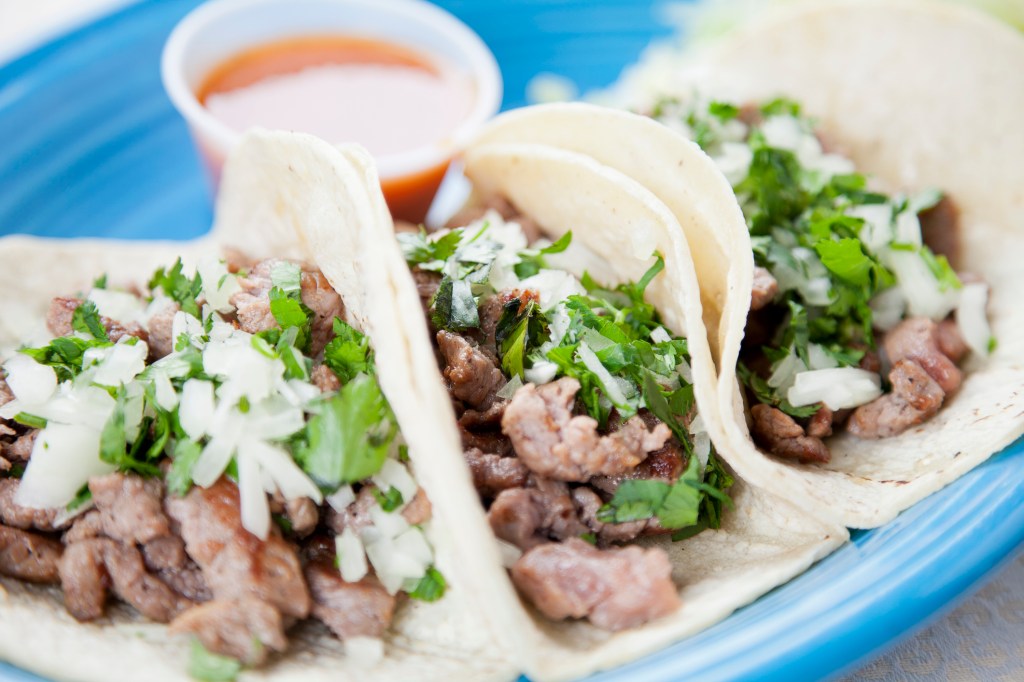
(764,542)
(273,185)
(919,95)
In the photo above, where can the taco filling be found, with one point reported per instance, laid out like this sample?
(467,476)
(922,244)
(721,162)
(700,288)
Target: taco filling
(858,319)
(577,415)
(215,452)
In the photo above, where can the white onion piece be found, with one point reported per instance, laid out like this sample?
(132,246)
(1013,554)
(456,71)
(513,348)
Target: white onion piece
(89,406)
(64,458)
(838,388)
(554,286)
(125,362)
(342,498)
(186,324)
(196,408)
(819,359)
(218,284)
(212,462)
(289,478)
(685,371)
(509,553)
(659,335)
(133,410)
(971,319)
(393,567)
(887,309)
(734,161)
(414,544)
(542,372)
(274,419)
(118,305)
(608,383)
(351,556)
(29,381)
(908,229)
(782,377)
(702,448)
(877,231)
(393,474)
(253,499)
(364,651)
(919,286)
(388,524)
(166,396)
(510,387)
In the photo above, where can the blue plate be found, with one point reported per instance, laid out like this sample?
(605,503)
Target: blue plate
(91,146)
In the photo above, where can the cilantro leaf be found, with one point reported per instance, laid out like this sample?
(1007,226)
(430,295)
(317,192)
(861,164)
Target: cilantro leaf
(351,435)
(207,666)
(64,354)
(846,259)
(389,501)
(634,500)
(419,249)
(183,290)
(431,586)
(114,443)
(454,306)
(681,507)
(82,497)
(287,277)
(179,477)
(86,319)
(348,353)
(513,332)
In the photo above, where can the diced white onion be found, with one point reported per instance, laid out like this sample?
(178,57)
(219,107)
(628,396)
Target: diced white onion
(133,410)
(393,474)
(819,359)
(702,448)
(919,286)
(414,544)
(364,651)
(351,556)
(274,419)
(212,462)
(553,286)
(388,524)
(342,498)
(877,231)
(608,383)
(659,335)
(509,389)
(393,566)
(197,408)
(218,284)
(838,388)
(685,371)
(29,381)
(253,499)
(734,161)
(509,553)
(887,309)
(118,305)
(782,377)
(124,363)
(816,291)
(908,229)
(542,372)
(186,324)
(971,320)
(83,405)
(288,477)
(64,458)
(166,396)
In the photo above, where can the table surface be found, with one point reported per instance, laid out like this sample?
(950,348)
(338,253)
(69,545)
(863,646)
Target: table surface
(982,639)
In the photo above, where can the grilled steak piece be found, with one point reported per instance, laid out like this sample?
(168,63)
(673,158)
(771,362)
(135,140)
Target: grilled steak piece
(161,334)
(324,379)
(245,628)
(25,518)
(62,310)
(90,566)
(764,288)
(779,434)
(917,339)
(362,609)
(130,507)
(915,398)
(472,376)
(940,229)
(21,449)
(28,556)
(527,517)
(615,589)
(235,563)
(494,473)
(319,296)
(418,509)
(355,516)
(555,444)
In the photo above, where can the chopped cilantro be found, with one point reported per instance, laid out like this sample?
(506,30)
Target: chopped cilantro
(513,331)
(350,436)
(114,444)
(207,666)
(431,586)
(30,420)
(348,353)
(419,249)
(179,477)
(289,311)
(389,501)
(183,290)
(287,277)
(532,261)
(82,497)
(589,538)
(86,319)
(100,282)
(454,306)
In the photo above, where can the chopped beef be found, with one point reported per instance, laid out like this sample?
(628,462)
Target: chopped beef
(871,362)
(355,516)
(427,284)
(494,442)
(243,628)
(917,339)
(90,566)
(164,552)
(616,588)
(88,525)
(820,424)
(950,341)
(325,379)
(21,449)
(320,297)
(24,518)
(235,563)
(131,507)
(494,473)
(555,444)
(915,398)
(779,434)
(161,334)
(362,609)
(764,289)
(472,376)
(6,395)
(527,517)
(490,312)
(303,515)
(484,419)
(62,310)
(940,229)
(29,556)
(4,464)
(664,464)
(418,509)
(587,504)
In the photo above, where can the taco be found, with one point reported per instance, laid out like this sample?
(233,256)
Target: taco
(867,342)
(560,357)
(208,468)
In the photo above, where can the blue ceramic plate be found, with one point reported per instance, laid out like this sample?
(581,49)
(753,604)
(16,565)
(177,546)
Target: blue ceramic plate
(91,146)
